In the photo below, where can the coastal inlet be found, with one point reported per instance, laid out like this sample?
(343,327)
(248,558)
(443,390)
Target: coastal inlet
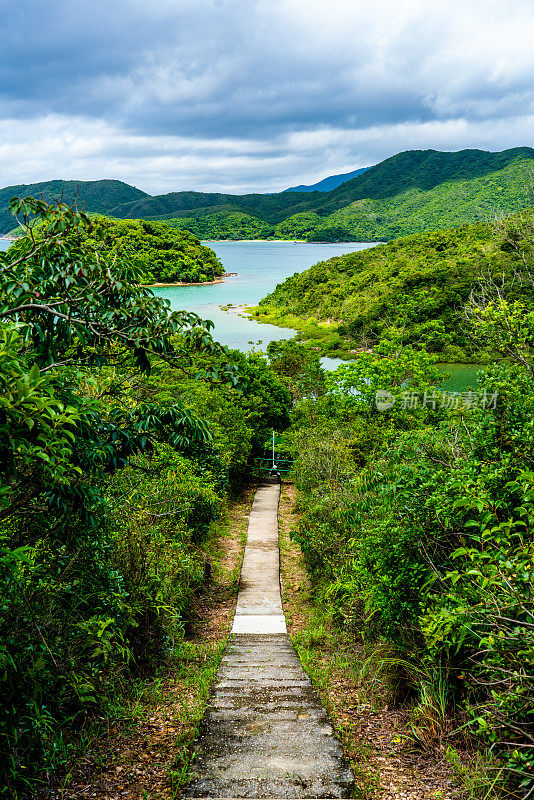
(253,270)
(260,266)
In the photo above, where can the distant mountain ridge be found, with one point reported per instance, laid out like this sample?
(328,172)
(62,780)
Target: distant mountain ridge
(329,183)
(99,196)
(413,191)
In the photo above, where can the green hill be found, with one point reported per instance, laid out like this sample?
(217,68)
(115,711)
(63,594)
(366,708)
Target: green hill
(416,210)
(98,196)
(418,284)
(418,190)
(172,203)
(163,255)
(266,207)
(419,169)
(415,191)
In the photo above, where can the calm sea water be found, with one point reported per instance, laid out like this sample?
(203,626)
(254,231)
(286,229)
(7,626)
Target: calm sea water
(260,266)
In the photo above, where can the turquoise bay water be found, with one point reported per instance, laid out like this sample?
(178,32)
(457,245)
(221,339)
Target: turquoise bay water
(260,266)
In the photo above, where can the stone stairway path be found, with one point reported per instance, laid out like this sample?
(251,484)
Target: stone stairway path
(265,734)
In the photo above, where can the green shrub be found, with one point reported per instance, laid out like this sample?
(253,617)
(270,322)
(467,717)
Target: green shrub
(421,534)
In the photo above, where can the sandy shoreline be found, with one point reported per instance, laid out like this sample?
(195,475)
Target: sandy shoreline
(218,279)
(198,283)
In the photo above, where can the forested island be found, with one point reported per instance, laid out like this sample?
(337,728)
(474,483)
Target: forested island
(160,253)
(129,439)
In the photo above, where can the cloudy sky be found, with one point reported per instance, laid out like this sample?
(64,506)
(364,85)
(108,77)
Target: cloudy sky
(255,95)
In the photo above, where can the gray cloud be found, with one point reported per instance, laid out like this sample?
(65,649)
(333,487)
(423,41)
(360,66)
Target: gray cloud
(213,94)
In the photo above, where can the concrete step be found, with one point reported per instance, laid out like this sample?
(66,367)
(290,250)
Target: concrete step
(265,733)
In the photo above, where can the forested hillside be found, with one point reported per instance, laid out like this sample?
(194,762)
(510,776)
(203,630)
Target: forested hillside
(418,285)
(410,192)
(418,190)
(422,170)
(98,196)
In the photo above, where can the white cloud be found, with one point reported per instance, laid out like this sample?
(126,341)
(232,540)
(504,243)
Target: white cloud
(255,94)
(81,149)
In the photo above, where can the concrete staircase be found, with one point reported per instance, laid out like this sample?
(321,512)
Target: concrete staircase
(265,734)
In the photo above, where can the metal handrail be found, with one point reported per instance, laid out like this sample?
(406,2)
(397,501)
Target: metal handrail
(278,460)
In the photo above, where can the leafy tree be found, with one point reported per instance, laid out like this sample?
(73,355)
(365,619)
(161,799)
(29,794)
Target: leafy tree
(79,337)
(76,306)
(299,367)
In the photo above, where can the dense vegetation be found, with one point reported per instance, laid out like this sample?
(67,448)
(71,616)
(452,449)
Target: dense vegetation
(234,225)
(416,529)
(160,253)
(417,285)
(417,209)
(96,196)
(122,427)
(231,225)
(418,190)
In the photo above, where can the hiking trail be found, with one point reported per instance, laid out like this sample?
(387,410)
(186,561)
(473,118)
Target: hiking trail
(265,733)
